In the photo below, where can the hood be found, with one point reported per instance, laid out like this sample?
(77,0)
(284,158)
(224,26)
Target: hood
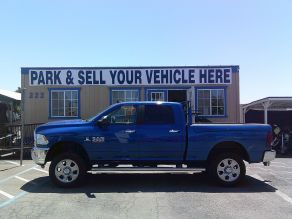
(61,123)
(65,122)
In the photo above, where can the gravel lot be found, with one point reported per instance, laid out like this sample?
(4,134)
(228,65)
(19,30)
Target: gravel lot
(26,192)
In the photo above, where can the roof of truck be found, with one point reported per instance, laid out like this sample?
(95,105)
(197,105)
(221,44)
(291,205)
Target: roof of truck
(148,102)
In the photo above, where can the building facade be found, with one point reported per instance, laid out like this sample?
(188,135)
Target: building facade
(82,92)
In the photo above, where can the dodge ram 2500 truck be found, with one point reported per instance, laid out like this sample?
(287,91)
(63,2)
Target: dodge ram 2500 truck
(149,136)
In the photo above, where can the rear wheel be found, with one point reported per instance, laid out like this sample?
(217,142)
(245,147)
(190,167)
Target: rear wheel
(228,169)
(67,170)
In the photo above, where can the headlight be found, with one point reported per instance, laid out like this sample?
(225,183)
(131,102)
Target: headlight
(41,140)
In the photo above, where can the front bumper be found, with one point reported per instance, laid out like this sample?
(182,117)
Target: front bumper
(269,156)
(39,155)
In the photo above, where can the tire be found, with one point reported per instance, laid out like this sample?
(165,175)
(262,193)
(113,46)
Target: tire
(67,170)
(227,169)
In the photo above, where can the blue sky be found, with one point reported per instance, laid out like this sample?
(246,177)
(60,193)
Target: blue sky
(257,35)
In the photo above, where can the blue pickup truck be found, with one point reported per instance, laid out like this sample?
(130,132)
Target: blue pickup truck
(149,136)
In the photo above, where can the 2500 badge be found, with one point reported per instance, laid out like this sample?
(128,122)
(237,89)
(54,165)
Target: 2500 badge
(94,139)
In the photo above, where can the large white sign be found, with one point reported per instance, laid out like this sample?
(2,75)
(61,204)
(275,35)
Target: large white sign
(130,76)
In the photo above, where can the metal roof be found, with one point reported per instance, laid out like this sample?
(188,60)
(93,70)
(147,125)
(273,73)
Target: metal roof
(274,103)
(10,94)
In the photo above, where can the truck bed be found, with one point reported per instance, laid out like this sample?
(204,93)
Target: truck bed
(203,137)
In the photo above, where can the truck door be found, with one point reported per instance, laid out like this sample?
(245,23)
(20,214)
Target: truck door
(159,136)
(118,135)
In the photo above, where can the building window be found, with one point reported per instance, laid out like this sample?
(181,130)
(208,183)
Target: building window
(157,96)
(124,95)
(170,94)
(64,103)
(211,102)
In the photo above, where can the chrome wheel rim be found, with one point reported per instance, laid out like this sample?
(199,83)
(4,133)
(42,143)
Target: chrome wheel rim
(228,170)
(67,171)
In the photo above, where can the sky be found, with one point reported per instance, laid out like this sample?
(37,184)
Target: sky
(256,35)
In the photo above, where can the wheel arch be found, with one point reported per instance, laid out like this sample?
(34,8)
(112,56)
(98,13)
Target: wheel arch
(67,146)
(229,146)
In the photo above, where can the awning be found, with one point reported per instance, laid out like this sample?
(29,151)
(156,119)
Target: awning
(267,104)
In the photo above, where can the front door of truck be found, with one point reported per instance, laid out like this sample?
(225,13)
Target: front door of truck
(118,135)
(159,136)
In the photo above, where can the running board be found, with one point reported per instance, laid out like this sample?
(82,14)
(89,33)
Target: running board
(145,169)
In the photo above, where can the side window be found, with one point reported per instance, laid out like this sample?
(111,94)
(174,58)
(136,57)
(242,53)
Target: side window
(123,115)
(157,114)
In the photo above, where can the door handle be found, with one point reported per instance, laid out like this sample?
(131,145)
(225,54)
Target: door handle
(129,131)
(174,131)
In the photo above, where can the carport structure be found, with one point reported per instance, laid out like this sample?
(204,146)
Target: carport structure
(9,99)
(267,104)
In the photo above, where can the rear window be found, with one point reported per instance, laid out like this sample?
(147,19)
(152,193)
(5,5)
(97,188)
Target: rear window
(157,114)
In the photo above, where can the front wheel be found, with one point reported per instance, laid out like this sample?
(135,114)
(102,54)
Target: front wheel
(228,169)
(67,170)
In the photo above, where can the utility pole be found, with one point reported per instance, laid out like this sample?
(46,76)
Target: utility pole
(22,124)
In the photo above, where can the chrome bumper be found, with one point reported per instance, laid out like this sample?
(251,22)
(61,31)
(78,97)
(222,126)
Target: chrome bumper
(39,155)
(269,156)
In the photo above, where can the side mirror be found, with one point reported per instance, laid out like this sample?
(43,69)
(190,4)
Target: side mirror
(104,121)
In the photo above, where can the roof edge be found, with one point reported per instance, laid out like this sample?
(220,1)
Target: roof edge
(235,68)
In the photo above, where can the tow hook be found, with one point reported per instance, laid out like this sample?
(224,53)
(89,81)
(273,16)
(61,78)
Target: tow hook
(267,163)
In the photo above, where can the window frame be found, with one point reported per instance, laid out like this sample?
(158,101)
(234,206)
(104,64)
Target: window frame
(123,89)
(51,90)
(118,108)
(150,90)
(210,89)
(162,93)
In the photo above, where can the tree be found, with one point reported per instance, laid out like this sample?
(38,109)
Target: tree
(18,90)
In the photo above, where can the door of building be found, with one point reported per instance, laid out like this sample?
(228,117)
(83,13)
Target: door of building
(177,95)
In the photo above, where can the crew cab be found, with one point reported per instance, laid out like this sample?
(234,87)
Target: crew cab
(149,136)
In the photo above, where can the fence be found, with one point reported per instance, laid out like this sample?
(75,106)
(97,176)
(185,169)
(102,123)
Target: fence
(11,136)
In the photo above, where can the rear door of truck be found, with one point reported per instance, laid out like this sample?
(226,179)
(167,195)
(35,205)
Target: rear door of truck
(160,132)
